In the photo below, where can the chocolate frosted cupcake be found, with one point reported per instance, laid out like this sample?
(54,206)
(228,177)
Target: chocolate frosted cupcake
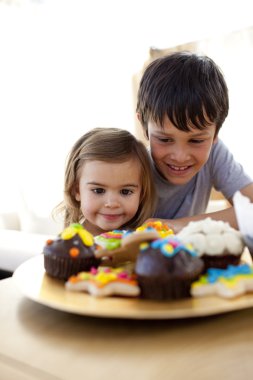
(71,252)
(165,269)
(216,242)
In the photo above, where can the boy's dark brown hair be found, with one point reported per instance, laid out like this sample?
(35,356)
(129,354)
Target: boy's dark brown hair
(189,88)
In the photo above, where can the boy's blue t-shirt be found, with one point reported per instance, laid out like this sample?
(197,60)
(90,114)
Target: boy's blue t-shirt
(221,171)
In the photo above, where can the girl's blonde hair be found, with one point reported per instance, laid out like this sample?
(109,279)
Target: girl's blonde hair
(109,145)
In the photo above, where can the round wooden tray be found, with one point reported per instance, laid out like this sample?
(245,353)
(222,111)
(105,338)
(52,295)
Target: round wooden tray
(35,284)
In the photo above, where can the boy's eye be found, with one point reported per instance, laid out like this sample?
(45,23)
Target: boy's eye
(98,190)
(126,192)
(164,139)
(196,141)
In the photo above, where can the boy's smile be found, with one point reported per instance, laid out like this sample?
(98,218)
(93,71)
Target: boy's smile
(179,155)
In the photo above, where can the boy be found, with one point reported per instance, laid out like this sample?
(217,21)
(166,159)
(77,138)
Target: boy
(182,103)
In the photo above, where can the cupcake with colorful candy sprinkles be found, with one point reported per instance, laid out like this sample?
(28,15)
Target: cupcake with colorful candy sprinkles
(71,252)
(165,269)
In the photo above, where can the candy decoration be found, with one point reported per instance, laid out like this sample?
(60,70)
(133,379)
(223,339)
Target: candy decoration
(104,281)
(227,283)
(77,229)
(74,252)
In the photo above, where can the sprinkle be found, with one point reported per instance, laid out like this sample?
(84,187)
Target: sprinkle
(144,246)
(74,252)
(68,233)
(107,270)
(170,246)
(213,274)
(77,229)
(162,229)
(93,271)
(86,237)
(123,275)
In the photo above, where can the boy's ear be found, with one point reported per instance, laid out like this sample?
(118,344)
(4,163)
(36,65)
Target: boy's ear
(144,128)
(145,131)
(215,140)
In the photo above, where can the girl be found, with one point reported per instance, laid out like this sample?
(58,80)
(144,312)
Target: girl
(108,182)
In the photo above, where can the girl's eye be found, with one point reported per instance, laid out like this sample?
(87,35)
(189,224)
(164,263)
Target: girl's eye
(126,192)
(98,190)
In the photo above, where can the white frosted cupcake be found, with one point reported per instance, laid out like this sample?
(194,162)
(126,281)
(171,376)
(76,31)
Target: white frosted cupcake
(216,242)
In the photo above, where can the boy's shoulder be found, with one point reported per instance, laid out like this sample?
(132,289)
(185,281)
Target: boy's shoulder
(219,146)
(227,174)
(219,152)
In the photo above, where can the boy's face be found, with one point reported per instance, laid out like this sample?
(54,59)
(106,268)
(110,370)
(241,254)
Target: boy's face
(109,193)
(179,155)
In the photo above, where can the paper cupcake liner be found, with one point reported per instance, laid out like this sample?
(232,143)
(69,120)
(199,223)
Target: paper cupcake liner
(63,268)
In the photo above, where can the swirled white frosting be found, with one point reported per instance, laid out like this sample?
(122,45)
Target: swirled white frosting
(212,237)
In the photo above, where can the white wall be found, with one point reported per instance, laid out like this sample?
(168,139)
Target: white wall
(66,66)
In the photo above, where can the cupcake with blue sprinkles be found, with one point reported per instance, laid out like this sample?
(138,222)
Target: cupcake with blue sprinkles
(166,268)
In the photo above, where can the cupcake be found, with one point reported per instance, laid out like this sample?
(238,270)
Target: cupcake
(71,252)
(165,269)
(216,242)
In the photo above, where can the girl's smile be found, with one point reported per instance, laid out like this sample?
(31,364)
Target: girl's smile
(111,217)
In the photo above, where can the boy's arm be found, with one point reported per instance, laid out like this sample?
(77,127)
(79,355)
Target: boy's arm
(227,215)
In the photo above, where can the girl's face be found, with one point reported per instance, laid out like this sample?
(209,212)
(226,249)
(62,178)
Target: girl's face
(179,155)
(109,194)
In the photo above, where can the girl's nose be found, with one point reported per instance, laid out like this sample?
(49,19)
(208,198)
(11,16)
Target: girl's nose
(111,202)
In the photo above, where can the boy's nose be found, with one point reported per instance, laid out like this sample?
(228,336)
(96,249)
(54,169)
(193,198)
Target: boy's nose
(179,154)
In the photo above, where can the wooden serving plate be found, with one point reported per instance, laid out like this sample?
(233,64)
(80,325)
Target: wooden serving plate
(35,284)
